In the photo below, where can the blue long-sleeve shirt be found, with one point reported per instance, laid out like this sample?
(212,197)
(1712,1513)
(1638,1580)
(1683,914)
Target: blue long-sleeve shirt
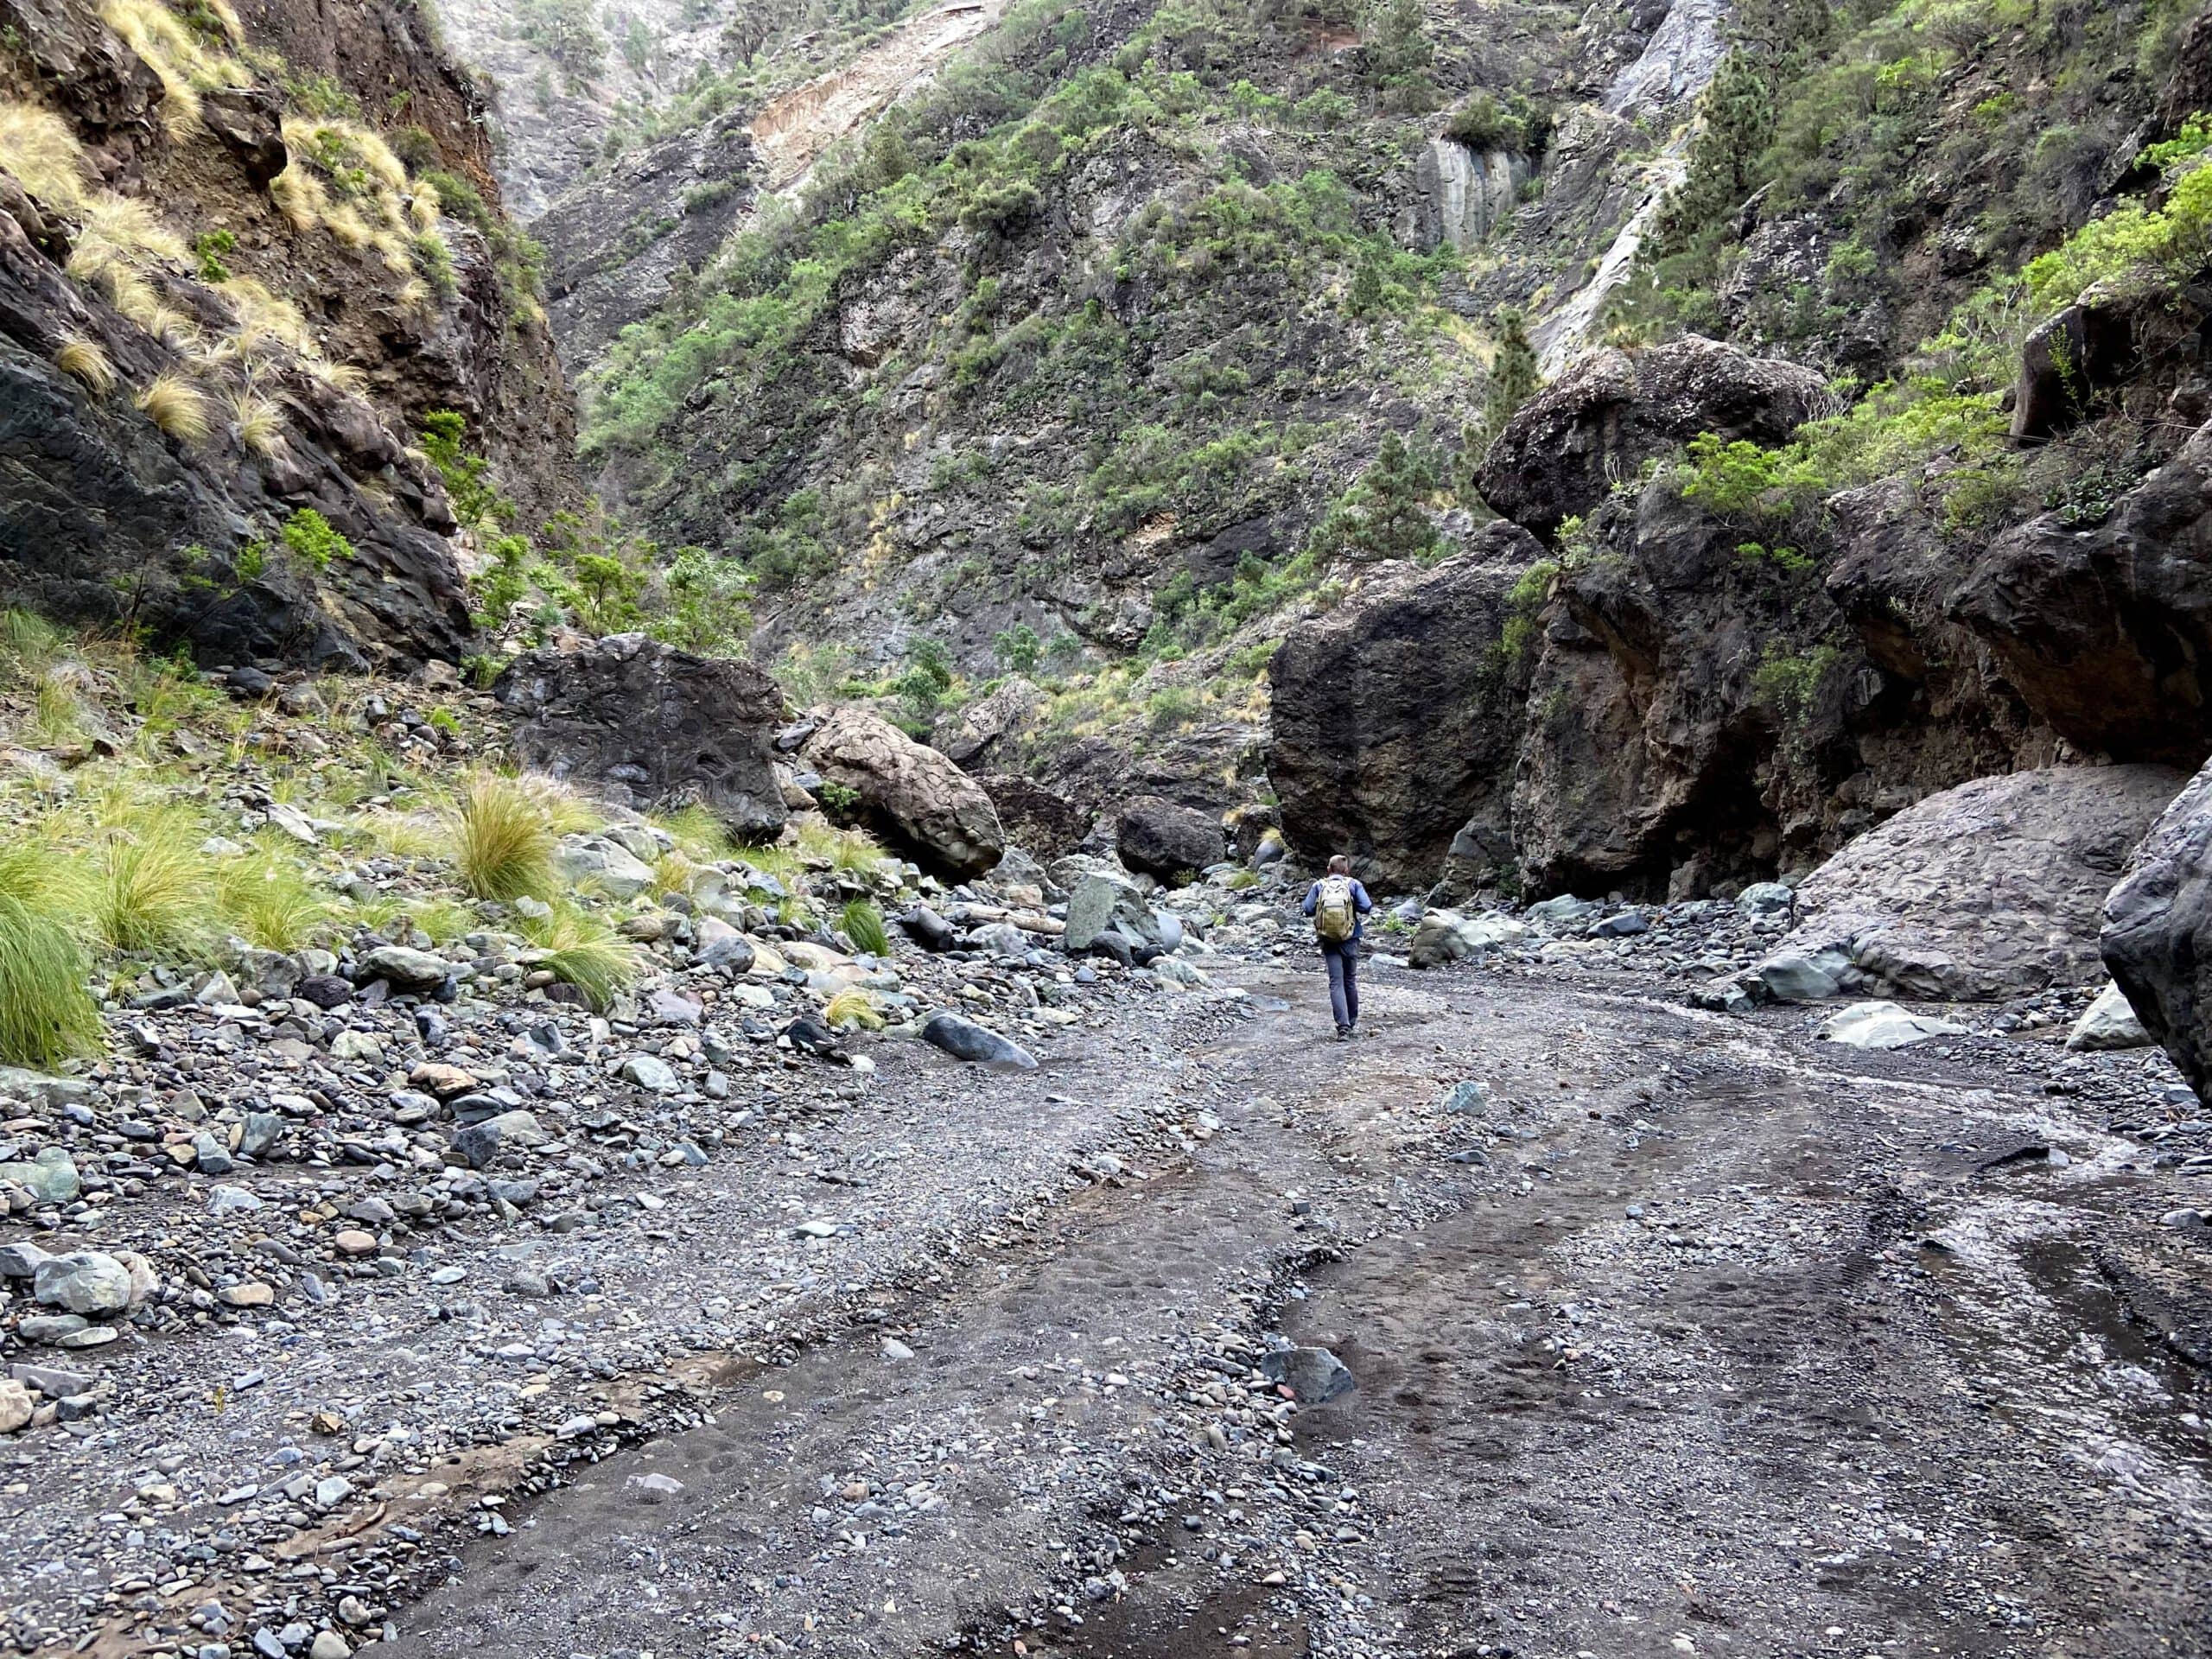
(1361,903)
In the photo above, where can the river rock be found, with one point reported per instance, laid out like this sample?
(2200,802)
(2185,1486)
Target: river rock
(1315,1375)
(921,803)
(84,1282)
(604,863)
(51,1176)
(2108,1023)
(966,1040)
(16,1406)
(405,967)
(1445,936)
(1882,1025)
(1989,891)
(1160,838)
(651,725)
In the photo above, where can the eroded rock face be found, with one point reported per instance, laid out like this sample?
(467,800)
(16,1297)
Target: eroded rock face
(926,807)
(1397,714)
(1159,838)
(2158,931)
(1611,410)
(1991,890)
(2107,632)
(652,724)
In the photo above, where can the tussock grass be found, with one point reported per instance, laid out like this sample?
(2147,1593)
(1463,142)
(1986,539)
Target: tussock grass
(854,851)
(345,377)
(117,230)
(83,360)
(148,880)
(39,148)
(583,951)
(853,1009)
(698,832)
(503,838)
(185,62)
(266,898)
(29,646)
(264,318)
(177,406)
(57,715)
(299,195)
(258,423)
(403,835)
(863,925)
(47,1011)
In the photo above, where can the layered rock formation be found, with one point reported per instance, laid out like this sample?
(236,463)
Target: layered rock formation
(2158,932)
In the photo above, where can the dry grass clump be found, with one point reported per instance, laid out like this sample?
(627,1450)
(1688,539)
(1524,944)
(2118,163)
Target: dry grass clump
(120,232)
(257,422)
(266,898)
(186,62)
(503,839)
(83,360)
(264,318)
(853,1009)
(47,1011)
(38,147)
(177,406)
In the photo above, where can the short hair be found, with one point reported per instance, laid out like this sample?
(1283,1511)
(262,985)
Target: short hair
(1340,865)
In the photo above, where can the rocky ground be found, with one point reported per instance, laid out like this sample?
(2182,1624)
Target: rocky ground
(1679,1330)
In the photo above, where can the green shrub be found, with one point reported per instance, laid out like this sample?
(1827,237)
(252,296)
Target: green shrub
(47,1011)
(311,539)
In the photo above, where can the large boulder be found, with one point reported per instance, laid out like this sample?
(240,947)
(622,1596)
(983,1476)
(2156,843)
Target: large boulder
(982,733)
(1611,410)
(2107,632)
(651,725)
(913,796)
(1397,713)
(1992,890)
(1160,838)
(2158,931)
(1046,821)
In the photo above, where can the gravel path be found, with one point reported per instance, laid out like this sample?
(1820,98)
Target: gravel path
(1710,1339)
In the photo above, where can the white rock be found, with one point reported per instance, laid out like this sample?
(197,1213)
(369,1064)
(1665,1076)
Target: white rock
(2110,1022)
(1883,1025)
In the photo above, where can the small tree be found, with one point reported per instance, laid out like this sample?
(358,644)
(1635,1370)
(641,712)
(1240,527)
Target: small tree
(1514,375)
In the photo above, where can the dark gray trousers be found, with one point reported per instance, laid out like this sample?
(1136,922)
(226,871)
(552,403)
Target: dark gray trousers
(1343,981)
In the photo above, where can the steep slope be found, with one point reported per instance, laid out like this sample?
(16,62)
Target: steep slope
(1127,331)
(242,258)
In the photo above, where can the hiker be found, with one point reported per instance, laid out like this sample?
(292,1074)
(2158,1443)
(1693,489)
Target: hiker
(1336,903)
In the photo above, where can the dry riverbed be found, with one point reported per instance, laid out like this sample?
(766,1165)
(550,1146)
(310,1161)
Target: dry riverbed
(1685,1334)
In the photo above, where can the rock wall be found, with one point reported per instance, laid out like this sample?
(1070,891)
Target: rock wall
(221,310)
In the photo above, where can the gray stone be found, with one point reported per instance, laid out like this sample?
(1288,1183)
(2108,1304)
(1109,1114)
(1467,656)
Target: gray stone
(51,1176)
(1314,1375)
(1445,936)
(1883,1025)
(84,1282)
(211,1156)
(1765,898)
(1798,977)
(477,1143)
(406,967)
(261,1133)
(649,1071)
(602,861)
(52,1381)
(516,1128)
(721,945)
(2108,1023)
(965,1040)
(231,1200)
(21,1260)
(40,1090)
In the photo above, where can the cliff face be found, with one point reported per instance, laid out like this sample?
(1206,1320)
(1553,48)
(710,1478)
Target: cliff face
(242,255)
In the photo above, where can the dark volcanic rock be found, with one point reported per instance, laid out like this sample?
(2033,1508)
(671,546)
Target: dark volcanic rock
(1611,410)
(645,720)
(2158,932)
(2107,632)
(1042,822)
(966,1040)
(926,806)
(1397,714)
(1160,838)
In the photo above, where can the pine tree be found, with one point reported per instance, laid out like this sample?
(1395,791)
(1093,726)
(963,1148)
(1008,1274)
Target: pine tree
(1514,375)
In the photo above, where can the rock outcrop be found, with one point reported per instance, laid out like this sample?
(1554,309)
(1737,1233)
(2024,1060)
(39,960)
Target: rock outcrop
(1396,714)
(651,725)
(2158,932)
(1158,837)
(2107,631)
(1598,423)
(1991,890)
(917,799)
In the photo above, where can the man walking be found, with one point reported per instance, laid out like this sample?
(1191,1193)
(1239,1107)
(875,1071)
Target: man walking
(1338,904)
